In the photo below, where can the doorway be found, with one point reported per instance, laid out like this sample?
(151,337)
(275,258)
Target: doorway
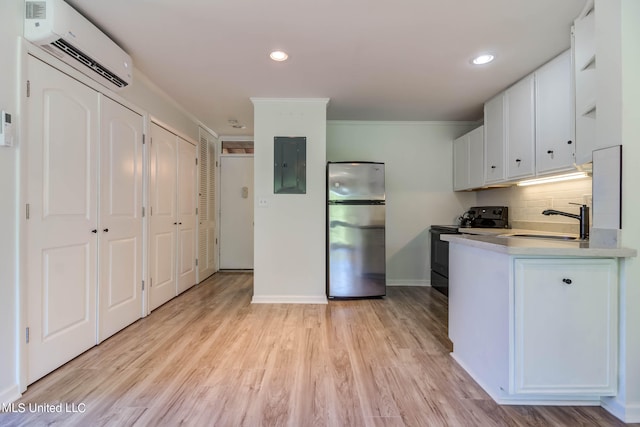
(236,211)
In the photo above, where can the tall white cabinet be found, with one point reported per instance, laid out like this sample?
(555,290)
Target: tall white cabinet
(83,218)
(172,213)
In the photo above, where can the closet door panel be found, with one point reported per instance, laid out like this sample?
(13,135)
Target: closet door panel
(61,195)
(120,230)
(187,218)
(163,216)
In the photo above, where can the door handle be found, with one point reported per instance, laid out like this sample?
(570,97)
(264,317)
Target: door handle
(106,230)
(94,231)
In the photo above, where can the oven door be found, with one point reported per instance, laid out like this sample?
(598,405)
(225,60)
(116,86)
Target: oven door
(439,253)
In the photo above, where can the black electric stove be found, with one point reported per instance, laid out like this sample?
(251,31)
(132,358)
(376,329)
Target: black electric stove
(476,217)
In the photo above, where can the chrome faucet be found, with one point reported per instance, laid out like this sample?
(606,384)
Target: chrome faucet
(583,218)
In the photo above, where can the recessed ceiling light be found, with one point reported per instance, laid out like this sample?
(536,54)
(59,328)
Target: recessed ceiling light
(483,59)
(278,55)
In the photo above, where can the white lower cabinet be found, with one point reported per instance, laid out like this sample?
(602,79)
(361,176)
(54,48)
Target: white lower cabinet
(538,329)
(565,326)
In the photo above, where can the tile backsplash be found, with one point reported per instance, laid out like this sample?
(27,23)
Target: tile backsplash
(527,203)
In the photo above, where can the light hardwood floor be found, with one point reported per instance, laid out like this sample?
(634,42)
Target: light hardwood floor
(210,358)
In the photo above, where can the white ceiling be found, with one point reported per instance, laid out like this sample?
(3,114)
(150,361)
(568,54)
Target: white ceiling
(375,59)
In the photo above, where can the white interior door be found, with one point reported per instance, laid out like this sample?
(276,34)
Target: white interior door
(61,230)
(236,212)
(163,153)
(120,228)
(187,218)
(206,207)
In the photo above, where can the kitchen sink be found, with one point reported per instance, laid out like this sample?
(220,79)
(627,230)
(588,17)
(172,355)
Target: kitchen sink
(541,236)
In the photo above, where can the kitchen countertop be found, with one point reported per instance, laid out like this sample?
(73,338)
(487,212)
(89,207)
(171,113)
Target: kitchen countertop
(488,239)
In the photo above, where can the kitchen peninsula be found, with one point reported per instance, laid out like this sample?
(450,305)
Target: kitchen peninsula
(535,321)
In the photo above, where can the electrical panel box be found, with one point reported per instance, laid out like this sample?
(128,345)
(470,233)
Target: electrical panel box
(290,165)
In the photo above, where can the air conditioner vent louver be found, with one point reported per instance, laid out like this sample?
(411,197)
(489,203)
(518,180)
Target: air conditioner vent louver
(88,62)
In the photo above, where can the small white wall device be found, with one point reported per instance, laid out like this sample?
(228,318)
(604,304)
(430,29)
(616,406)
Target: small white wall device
(6,130)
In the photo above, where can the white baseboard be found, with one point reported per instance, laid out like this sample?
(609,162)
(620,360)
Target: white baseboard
(289,299)
(537,400)
(10,394)
(402,282)
(626,413)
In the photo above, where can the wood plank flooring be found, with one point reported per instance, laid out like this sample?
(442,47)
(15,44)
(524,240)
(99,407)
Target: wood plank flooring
(210,358)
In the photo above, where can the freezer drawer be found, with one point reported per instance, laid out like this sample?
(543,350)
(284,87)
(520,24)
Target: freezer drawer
(356,251)
(355,181)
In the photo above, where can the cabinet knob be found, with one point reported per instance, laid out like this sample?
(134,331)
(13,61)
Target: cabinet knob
(106,230)
(567,281)
(549,151)
(94,231)
(569,142)
(493,167)
(518,160)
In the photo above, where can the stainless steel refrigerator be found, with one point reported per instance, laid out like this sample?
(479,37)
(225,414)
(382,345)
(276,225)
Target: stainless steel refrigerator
(356,262)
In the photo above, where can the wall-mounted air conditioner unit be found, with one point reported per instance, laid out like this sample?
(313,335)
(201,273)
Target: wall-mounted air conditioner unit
(62,31)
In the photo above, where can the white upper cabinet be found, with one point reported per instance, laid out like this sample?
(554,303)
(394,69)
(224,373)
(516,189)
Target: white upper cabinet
(555,147)
(520,130)
(494,140)
(529,127)
(468,160)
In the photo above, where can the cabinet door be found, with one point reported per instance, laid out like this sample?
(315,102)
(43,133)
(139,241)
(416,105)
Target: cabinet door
(565,326)
(476,158)
(461,163)
(520,139)
(494,137)
(554,111)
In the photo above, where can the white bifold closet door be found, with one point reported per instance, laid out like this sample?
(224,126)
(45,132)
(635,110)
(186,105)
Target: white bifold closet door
(62,218)
(187,218)
(120,227)
(83,282)
(207,246)
(173,201)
